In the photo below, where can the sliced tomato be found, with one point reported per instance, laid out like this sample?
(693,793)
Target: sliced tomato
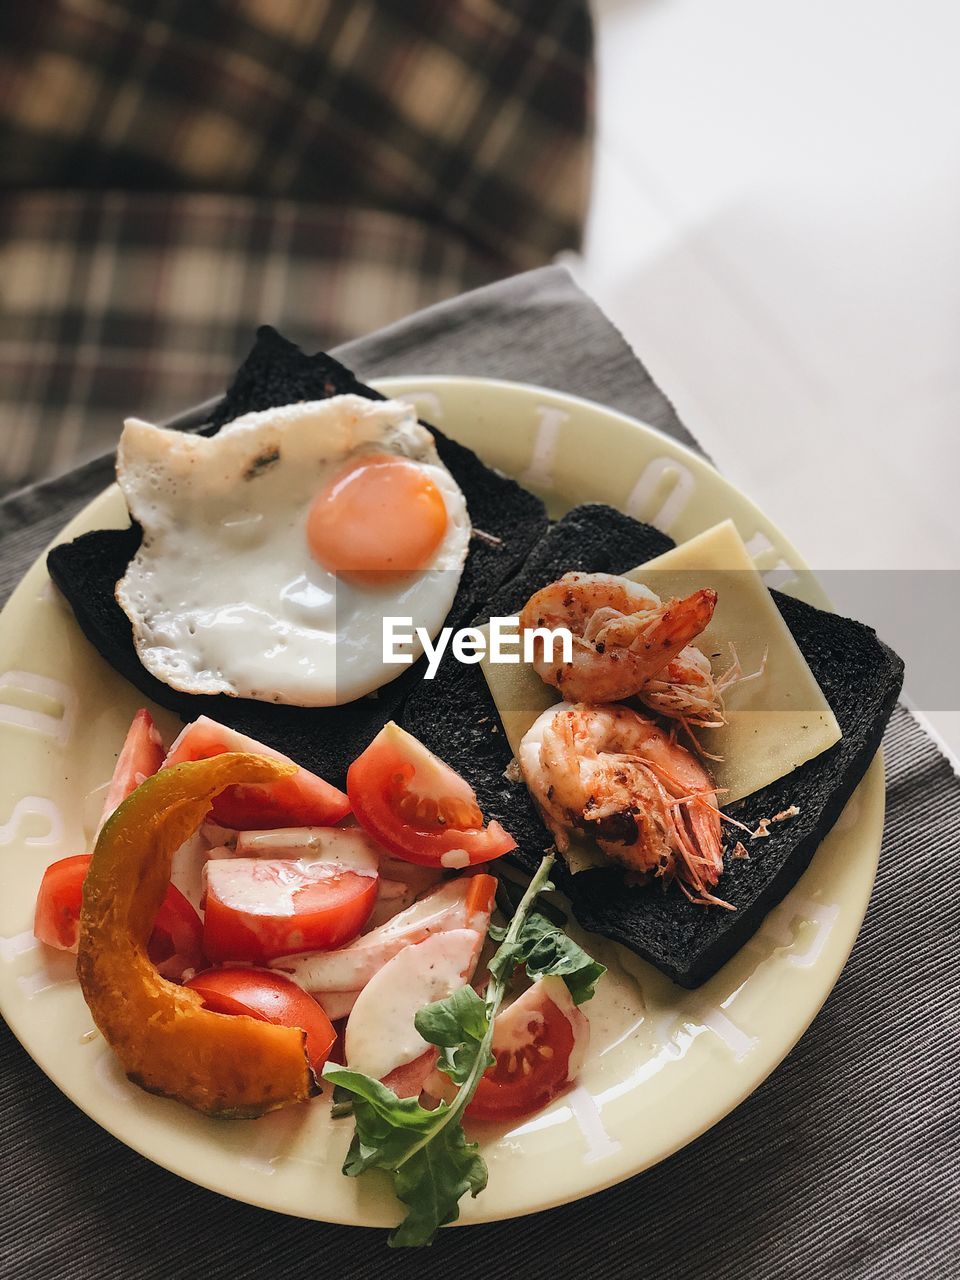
(140,757)
(418,807)
(336,978)
(303,800)
(176,943)
(56,919)
(336,1052)
(408,1081)
(270,997)
(259,908)
(393,895)
(539,1043)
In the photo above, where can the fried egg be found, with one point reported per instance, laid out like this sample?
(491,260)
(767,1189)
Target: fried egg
(273,550)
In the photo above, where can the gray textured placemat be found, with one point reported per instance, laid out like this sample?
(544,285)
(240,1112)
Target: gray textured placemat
(842,1164)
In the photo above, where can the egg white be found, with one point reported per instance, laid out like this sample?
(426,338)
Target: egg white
(224,595)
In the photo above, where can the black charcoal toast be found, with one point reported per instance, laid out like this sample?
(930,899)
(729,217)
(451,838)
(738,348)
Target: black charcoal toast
(456,717)
(323,739)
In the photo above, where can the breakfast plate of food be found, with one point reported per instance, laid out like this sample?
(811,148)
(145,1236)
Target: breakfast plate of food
(428,802)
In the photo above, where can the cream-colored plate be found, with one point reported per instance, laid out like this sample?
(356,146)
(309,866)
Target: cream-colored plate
(664,1064)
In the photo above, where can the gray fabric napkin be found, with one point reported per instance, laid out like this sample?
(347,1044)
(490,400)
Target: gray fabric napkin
(844,1163)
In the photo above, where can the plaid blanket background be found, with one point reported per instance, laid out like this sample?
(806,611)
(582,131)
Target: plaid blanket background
(173,173)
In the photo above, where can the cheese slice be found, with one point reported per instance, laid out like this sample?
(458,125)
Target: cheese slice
(775,723)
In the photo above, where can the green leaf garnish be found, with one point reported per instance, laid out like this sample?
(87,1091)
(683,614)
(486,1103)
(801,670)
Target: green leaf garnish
(432,1163)
(457,1025)
(545,951)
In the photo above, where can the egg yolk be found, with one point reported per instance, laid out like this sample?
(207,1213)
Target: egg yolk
(382,517)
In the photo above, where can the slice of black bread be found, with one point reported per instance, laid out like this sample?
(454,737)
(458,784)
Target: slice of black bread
(324,739)
(859,675)
(455,714)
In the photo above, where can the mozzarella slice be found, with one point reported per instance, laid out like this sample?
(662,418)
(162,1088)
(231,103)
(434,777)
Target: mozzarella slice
(380,1034)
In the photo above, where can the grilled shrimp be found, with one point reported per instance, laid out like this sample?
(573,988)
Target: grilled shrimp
(623,634)
(687,690)
(612,774)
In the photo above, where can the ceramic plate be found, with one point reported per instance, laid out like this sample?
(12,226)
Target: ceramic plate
(665,1064)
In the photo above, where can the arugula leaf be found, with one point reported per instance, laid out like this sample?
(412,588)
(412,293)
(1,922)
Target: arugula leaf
(509,897)
(457,1025)
(388,1127)
(433,1182)
(432,1164)
(546,951)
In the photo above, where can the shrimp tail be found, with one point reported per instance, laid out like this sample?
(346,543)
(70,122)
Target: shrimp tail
(660,634)
(623,634)
(610,773)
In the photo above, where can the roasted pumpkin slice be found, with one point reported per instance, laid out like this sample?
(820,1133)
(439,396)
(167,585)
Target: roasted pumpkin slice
(167,1042)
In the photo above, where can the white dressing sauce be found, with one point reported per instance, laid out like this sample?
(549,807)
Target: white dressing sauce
(393,896)
(351,967)
(380,1034)
(350,846)
(186,870)
(337,1004)
(268,886)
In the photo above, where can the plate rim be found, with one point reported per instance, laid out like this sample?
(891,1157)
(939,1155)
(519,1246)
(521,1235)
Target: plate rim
(409,384)
(197,416)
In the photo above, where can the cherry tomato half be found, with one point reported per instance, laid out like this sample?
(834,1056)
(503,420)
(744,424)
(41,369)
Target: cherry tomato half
(270,997)
(259,908)
(418,807)
(539,1043)
(176,943)
(303,800)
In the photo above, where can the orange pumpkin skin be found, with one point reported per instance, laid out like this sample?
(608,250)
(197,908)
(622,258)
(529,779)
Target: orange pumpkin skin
(167,1042)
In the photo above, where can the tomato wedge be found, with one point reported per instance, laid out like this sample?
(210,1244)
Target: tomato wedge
(176,943)
(259,908)
(302,800)
(539,1044)
(418,807)
(270,997)
(140,757)
(56,918)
